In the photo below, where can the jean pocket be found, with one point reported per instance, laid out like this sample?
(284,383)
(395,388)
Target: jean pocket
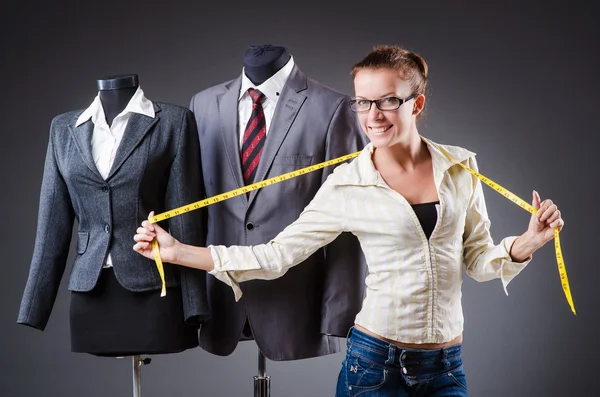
(363,374)
(458,376)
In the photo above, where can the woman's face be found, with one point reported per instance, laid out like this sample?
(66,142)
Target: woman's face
(386,128)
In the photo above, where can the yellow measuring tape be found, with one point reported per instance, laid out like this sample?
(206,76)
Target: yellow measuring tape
(267,182)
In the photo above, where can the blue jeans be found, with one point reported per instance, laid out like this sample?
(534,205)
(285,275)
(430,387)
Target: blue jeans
(376,368)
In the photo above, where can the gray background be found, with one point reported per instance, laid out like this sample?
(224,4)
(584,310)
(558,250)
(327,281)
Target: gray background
(515,83)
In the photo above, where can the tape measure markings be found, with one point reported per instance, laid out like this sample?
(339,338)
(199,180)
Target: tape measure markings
(248,188)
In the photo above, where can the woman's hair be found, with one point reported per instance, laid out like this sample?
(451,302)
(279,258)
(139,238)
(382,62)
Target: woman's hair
(411,67)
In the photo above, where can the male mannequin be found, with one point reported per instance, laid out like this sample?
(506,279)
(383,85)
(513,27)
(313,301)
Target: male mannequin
(107,167)
(300,314)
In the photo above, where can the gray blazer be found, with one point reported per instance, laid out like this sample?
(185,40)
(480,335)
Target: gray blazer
(298,315)
(157,167)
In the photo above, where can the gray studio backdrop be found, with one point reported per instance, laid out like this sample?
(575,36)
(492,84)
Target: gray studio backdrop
(516,83)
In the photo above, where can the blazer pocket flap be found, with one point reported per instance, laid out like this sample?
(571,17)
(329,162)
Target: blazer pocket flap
(293,160)
(82,242)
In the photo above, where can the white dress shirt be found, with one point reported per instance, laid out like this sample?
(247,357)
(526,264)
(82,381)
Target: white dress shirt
(414,284)
(271,88)
(105,139)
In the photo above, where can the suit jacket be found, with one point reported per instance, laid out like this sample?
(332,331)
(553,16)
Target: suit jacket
(157,167)
(300,314)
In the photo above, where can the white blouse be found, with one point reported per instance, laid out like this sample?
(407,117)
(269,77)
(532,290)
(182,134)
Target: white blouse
(413,292)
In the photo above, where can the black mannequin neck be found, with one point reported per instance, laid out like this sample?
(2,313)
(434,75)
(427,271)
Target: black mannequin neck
(115,93)
(262,61)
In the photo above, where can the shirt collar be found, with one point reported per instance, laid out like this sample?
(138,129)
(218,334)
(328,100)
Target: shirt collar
(365,174)
(137,104)
(439,152)
(270,87)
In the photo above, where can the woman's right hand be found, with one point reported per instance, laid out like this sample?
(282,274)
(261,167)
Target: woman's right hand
(144,236)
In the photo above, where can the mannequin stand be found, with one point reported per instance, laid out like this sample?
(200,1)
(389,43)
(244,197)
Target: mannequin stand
(262,382)
(137,363)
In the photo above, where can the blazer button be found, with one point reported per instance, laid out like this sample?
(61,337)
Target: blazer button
(105,189)
(249,225)
(107,228)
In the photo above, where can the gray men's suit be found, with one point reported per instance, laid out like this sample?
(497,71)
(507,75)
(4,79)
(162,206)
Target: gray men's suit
(156,168)
(295,316)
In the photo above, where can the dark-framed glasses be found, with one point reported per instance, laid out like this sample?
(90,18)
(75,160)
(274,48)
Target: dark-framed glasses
(361,105)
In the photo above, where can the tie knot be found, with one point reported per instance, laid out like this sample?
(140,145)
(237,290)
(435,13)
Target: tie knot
(256,95)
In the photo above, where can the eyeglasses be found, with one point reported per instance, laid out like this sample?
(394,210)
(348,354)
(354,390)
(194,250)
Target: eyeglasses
(389,103)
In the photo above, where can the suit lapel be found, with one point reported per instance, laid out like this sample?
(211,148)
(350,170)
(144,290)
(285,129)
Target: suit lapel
(82,135)
(137,127)
(288,105)
(227,105)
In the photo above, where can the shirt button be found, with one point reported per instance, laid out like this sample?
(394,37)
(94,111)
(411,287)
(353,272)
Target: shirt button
(107,228)
(404,370)
(249,225)
(105,189)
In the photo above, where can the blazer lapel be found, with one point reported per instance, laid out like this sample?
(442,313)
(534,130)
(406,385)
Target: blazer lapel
(82,135)
(288,105)
(137,127)
(228,116)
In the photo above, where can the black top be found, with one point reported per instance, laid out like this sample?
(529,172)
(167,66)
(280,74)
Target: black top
(427,214)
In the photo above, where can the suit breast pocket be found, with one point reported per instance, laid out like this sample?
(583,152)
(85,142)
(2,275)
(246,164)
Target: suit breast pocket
(82,242)
(293,194)
(294,161)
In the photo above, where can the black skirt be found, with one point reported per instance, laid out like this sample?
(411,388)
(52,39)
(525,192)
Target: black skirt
(113,321)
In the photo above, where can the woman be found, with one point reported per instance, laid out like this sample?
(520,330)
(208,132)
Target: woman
(419,218)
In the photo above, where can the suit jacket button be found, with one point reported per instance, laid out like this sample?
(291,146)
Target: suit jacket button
(107,228)
(105,189)
(249,225)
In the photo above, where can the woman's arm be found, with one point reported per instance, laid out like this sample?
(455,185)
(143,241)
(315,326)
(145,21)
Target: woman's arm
(485,261)
(319,224)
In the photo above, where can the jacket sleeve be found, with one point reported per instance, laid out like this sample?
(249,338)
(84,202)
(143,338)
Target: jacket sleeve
(52,241)
(319,224)
(485,261)
(186,186)
(346,269)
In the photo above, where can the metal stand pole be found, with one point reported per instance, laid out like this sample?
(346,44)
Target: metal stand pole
(137,362)
(262,382)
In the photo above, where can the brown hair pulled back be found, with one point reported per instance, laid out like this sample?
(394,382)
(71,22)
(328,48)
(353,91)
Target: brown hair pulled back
(411,66)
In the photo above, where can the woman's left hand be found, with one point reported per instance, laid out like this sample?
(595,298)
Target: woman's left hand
(542,225)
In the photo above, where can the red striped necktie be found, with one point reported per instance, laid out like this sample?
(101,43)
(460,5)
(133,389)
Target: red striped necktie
(254,136)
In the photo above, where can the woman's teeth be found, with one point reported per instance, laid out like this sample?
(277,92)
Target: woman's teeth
(379,130)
